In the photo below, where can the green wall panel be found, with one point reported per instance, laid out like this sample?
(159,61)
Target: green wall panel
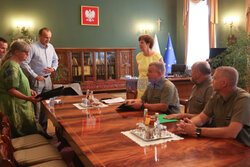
(119,21)
(230,8)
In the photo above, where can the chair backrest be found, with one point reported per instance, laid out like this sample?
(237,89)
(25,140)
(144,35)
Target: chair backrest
(5,123)
(184,102)
(6,148)
(6,137)
(6,156)
(75,86)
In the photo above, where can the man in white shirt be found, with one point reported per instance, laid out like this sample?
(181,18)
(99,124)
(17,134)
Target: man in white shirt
(41,62)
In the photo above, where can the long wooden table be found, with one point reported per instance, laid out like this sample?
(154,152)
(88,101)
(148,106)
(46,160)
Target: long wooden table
(95,135)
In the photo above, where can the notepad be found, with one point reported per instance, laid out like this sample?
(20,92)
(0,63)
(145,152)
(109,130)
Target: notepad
(163,120)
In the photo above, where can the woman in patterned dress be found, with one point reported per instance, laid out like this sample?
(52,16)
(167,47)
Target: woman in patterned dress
(16,97)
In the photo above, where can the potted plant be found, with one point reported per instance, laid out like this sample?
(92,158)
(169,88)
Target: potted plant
(22,33)
(61,72)
(237,56)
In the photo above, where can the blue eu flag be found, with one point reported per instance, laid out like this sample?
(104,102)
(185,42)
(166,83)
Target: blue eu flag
(169,56)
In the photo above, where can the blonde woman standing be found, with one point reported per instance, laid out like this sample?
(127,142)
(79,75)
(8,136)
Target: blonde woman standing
(143,59)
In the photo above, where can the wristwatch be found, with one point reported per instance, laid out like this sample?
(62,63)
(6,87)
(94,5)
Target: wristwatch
(198,132)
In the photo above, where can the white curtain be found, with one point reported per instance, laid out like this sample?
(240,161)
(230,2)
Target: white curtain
(198,33)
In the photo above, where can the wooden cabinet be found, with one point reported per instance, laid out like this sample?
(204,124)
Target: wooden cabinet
(98,69)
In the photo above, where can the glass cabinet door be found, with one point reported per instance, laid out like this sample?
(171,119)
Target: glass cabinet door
(100,65)
(88,66)
(76,67)
(111,65)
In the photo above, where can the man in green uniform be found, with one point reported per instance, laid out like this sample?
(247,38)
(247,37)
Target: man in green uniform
(201,91)
(230,107)
(161,94)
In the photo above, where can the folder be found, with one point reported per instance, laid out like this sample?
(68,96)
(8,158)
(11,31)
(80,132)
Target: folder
(61,91)
(51,93)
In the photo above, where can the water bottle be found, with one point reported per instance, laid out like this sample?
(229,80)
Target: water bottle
(157,127)
(145,114)
(52,102)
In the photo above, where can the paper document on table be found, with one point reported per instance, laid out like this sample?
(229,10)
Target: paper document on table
(114,100)
(82,106)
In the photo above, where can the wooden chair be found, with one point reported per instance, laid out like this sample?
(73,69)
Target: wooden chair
(184,102)
(34,154)
(75,86)
(31,156)
(7,159)
(24,142)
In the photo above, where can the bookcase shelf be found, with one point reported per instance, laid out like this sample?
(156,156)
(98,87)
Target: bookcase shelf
(98,69)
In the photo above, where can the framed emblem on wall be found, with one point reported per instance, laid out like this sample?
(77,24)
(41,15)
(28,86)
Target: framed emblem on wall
(90,15)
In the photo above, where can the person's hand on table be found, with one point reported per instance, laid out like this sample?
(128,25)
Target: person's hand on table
(129,102)
(173,116)
(136,105)
(186,126)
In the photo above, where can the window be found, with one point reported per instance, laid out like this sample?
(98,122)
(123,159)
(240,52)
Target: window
(198,33)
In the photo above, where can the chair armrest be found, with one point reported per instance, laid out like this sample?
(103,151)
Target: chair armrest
(185,103)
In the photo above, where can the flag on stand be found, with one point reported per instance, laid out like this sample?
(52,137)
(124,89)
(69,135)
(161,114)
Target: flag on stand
(156,47)
(169,56)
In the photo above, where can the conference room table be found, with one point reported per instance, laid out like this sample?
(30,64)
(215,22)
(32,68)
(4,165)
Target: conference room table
(96,138)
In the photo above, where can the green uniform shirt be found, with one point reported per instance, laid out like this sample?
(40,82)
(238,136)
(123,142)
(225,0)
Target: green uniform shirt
(163,91)
(200,95)
(235,108)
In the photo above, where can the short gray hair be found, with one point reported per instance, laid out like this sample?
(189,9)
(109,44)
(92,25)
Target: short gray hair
(203,67)
(18,45)
(230,73)
(160,66)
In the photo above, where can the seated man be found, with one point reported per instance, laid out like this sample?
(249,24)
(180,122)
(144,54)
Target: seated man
(161,94)
(201,91)
(230,107)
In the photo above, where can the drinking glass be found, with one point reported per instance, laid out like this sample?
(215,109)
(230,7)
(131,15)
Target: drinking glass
(85,102)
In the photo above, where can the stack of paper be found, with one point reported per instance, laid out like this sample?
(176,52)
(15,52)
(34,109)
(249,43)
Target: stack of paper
(114,100)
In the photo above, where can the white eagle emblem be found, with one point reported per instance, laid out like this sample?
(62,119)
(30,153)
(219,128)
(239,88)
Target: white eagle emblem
(90,14)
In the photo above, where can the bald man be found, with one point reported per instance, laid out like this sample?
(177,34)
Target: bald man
(230,107)
(201,91)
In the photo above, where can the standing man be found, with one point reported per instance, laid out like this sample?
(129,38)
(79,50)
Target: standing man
(3,48)
(161,94)
(230,107)
(201,91)
(41,62)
